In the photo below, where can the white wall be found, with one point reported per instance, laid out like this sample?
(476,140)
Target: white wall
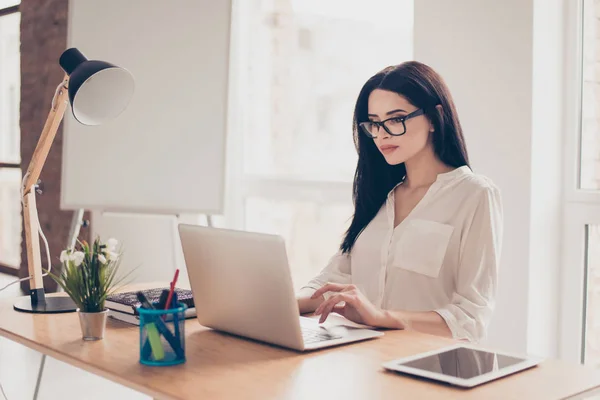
(546,177)
(147,240)
(485,51)
(488,67)
(151,247)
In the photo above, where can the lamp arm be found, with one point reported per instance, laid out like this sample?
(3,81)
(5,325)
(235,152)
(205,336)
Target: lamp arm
(59,106)
(30,214)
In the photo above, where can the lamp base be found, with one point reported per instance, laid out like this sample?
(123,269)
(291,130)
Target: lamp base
(52,305)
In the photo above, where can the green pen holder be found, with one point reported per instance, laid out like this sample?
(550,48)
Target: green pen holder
(162,336)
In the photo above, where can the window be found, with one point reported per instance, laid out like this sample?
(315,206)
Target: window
(590,102)
(580,282)
(300,65)
(10,159)
(589,177)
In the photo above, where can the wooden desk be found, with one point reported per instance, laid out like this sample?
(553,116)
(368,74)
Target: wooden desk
(224,367)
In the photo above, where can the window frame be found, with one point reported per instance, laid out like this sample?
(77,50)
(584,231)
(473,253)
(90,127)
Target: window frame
(581,207)
(5,268)
(9,10)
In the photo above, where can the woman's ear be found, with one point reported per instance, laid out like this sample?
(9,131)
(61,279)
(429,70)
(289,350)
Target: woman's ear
(440,111)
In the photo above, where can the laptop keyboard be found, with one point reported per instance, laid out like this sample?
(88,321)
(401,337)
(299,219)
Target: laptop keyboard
(314,335)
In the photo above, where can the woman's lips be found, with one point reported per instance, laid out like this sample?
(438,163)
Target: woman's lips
(388,149)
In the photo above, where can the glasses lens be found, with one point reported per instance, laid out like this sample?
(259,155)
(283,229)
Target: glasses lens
(395,126)
(370,129)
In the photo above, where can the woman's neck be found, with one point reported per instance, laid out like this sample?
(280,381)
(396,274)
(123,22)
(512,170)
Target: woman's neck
(423,169)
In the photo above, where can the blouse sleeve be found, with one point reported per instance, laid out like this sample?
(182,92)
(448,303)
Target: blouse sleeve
(336,271)
(471,307)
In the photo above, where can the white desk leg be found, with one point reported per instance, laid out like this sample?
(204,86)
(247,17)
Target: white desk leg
(76,223)
(39,377)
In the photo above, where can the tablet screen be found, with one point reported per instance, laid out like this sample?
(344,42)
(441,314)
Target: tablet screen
(463,362)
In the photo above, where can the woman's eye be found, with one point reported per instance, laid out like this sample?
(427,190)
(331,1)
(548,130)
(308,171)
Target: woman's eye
(396,120)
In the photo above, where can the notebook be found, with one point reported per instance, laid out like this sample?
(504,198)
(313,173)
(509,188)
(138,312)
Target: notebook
(135,319)
(128,302)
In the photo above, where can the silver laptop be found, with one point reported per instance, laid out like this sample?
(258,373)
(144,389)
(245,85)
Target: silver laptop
(242,285)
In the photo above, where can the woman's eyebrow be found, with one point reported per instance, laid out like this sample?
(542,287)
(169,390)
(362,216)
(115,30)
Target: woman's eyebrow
(388,113)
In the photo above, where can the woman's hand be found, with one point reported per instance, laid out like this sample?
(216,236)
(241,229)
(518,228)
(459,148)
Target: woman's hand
(357,307)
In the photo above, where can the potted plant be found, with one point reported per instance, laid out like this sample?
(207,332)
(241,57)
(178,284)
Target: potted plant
(88,276)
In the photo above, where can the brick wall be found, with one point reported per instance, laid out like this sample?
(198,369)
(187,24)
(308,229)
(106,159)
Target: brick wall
(43,39)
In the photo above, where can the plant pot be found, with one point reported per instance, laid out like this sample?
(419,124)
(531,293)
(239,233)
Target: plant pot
(92,324)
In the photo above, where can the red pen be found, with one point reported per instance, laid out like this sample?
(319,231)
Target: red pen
(170,297)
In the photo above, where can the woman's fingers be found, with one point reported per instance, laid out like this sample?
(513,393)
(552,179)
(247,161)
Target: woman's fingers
(328,306)
(340,310)
(325,313)
(330,287)
(324,304)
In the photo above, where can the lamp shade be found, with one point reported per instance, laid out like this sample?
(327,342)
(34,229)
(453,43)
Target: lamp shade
(98,90)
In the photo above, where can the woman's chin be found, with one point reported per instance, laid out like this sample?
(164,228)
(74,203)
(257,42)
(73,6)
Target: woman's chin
(394,160)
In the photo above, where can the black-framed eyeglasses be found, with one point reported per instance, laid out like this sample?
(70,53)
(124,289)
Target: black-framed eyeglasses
(395,126)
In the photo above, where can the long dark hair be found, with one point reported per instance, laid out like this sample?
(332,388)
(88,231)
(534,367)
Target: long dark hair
(374,177)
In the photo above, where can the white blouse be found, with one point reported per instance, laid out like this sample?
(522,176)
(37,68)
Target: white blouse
(443,257)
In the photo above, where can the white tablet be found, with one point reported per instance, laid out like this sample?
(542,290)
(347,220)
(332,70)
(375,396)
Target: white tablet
(462,365)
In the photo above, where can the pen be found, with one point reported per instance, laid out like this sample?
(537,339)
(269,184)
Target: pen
(154,340)
(153,344)
(162,301)
(173,282)
(176,319)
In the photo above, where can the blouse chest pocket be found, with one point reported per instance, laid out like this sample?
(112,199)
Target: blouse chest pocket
(422,246)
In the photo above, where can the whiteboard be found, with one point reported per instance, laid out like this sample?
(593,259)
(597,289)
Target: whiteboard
(166,152)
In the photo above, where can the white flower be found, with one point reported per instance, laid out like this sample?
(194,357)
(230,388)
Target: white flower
(77,258)
(111,244)
(111,255)
(64,256)
(101,258)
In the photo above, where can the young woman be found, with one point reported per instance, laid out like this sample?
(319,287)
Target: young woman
(423,247)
